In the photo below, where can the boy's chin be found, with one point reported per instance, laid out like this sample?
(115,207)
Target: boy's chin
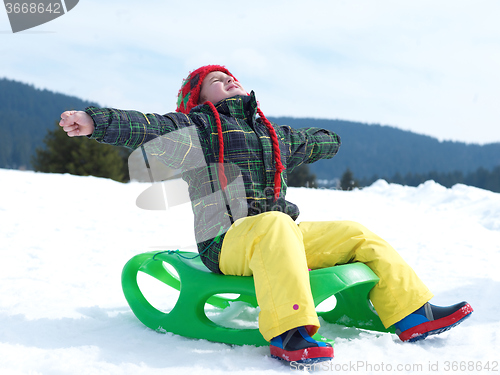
(237,92)
(234,95)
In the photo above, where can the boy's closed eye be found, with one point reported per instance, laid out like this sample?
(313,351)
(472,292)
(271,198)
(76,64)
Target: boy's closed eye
(215,89)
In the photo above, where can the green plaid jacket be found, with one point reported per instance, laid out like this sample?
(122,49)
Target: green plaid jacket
(248,159)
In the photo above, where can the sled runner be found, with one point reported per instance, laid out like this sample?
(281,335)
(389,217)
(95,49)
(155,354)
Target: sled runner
(350,284)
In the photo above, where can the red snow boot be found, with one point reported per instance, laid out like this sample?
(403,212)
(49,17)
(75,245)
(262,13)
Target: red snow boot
(431,320)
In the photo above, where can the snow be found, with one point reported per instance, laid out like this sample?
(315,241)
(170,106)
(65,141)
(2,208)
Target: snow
(64,240)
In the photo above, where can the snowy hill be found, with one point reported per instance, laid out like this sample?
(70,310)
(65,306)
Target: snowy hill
(64,240)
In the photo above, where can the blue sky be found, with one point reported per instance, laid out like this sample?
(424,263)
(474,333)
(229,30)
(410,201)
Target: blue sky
(431,67)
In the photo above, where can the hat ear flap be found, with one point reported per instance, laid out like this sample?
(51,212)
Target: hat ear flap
(194,81)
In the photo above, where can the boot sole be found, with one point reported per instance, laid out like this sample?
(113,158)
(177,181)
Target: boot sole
(309,355)
(436,327)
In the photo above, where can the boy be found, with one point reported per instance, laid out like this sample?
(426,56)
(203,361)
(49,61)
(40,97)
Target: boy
(262,239)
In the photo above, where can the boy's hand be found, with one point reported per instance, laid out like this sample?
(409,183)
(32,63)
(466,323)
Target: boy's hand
(76,123)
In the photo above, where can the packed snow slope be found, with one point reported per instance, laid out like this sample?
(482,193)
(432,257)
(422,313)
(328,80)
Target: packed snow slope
(64,240)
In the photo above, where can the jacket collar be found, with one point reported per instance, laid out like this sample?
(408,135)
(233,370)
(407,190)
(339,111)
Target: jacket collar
(244,107)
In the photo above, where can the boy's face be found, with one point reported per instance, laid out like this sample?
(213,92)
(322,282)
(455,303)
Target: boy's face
(218,86)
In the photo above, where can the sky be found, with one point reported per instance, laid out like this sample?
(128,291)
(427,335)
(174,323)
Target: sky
(425,66)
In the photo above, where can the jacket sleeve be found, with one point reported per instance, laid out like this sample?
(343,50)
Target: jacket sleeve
(308,145)
(130,128)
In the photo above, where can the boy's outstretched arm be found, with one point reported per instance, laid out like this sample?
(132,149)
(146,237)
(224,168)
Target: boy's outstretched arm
(308,145)
(77,123)
(117,127)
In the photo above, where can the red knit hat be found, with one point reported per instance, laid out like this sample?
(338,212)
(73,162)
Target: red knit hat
(188,98)
(189,94)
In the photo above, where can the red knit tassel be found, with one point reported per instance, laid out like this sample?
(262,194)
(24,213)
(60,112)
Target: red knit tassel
(277,185)
(276,153)
(222,174)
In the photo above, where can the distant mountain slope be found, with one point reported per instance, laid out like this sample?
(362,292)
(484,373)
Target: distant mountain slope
(27,112)
(25,115)
(383,151)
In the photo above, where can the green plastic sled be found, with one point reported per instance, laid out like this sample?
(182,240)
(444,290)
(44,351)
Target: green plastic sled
(350,284)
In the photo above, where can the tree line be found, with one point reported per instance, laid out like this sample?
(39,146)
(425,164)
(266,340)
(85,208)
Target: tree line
(28,113)
(79,156)
(481,178)
(385,151)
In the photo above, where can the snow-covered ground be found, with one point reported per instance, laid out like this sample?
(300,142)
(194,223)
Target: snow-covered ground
(64,240)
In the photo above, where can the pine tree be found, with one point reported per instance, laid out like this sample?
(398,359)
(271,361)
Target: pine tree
(79,156)
(347,182)
(301,176)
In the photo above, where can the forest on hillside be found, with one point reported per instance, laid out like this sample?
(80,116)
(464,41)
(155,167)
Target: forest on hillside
(368,151)
(26,114)
(372,151)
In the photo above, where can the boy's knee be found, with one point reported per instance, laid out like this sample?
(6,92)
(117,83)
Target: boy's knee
(276,217)
(277,222)
(355,228)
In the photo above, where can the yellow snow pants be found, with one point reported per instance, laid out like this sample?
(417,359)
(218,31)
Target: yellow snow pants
(278,253)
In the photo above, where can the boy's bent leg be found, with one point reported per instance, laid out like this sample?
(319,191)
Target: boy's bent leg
(399,291)
(269,246)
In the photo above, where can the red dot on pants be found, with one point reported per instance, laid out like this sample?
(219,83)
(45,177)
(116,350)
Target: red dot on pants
(295,307)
